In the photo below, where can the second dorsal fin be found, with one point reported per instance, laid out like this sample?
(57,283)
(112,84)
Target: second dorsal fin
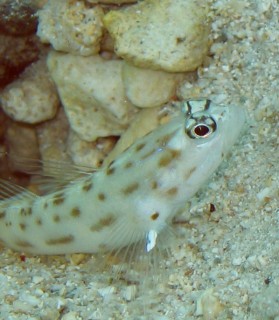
(50,175)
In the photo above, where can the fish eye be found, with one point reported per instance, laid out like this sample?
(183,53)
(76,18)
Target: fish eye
(200,128)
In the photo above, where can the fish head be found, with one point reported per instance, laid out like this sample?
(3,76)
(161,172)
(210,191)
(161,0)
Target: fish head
(210,124)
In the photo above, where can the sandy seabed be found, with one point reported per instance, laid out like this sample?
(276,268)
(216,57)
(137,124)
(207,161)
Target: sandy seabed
(226,264)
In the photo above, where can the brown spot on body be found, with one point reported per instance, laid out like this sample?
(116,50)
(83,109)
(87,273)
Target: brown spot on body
(58,199)
(75,212)
(131,188)
(26,211)
(154,216)
(8,224)
(111,163)
(2,214)
(23,244)
(38,221)
(56,218)
(101,196)
(180,40)
(127,165)
(110,171)
(22,226)
(87,186)
(154,185)
(165,160)
(172,191)
(45,205)
(62,240)
(189,173)
(175,153)
(139,147)
(164,140)
(103,223)
(168,157)
(148,154)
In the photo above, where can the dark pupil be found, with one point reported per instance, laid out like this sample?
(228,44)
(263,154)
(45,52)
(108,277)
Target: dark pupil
(201,130)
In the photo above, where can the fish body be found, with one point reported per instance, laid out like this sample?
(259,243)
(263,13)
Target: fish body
(132,199)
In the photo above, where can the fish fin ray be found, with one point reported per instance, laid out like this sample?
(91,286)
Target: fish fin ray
(9,189)
(49,176)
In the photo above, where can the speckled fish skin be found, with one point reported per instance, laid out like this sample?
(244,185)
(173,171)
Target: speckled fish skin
(136,195)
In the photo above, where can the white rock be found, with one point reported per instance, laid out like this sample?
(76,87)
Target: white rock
(21,307)
(167,35)
(33,97)
(71,316)
(149,88)
(237,261)
(71,26)
(31,300)
(208,305)
(106,291)
(266,192)
(129,293)
(37,279)
(92,93)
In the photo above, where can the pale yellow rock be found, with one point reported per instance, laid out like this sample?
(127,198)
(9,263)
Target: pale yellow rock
(52,137)
(166,34)
(89,154)
(147,88)
(33,97)
(78,258)
(144,122)
(92,93)
(23,145)
(71,26)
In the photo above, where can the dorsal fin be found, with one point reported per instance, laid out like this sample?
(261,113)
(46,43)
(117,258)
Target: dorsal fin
(8,190)
(51,175)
